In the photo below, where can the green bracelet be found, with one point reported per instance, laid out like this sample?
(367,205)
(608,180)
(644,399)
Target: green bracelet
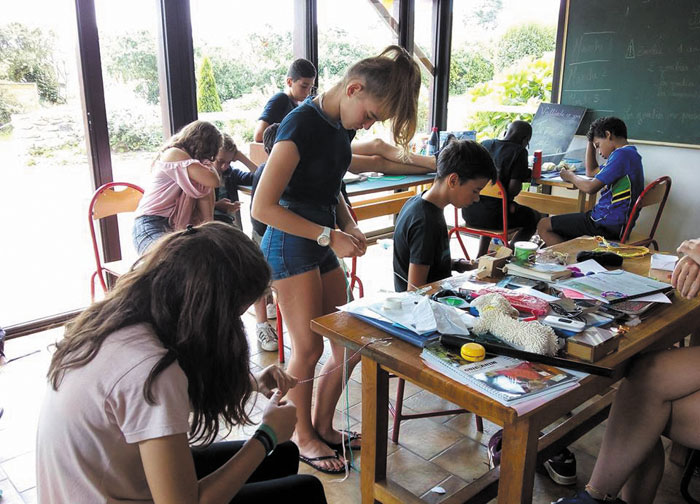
(268,430)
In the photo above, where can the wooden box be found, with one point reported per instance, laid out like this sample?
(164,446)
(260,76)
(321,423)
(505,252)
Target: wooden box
(592,344)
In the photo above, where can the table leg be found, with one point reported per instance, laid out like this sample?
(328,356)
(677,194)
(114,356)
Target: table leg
(518,459)
(375,417)
(581,201)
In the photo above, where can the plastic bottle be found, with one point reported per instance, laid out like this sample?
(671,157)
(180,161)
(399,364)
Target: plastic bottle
(433,142)
(537,165)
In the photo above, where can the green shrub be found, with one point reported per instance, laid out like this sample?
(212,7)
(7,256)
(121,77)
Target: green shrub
(529,82)
(207,96)
(27,55)
(467,69)
(135,130)
(8,106)
(525,40)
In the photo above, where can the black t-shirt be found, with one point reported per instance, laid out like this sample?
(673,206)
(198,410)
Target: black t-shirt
(420,237)
(324,155)
(277,108)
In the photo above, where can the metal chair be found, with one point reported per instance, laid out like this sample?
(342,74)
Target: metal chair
(495,191)
(656,193)
(105,202)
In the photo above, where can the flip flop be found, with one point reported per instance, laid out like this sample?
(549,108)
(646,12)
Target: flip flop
(348,438)
(311,460)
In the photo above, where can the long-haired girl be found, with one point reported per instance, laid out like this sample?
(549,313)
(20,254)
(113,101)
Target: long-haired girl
(182,189)
(310,226)
(162,358)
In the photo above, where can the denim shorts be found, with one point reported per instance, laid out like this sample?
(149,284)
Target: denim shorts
(289,255)
(147,229)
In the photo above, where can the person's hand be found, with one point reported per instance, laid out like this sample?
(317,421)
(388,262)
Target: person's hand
(359,235)
(686,277)
(690,248)
(274,377)
(226,205)
(461,265)
(280,416)
(566,175)
(345,245)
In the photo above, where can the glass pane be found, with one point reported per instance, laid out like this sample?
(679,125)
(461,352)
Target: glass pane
(347,33)
(128,33)
(242,55)
(501,62)
(45,184)
(423,42)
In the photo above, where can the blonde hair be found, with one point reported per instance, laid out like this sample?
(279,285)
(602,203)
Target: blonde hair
(394,79)
(228,144)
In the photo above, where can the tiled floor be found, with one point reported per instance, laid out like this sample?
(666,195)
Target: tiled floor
(444,452)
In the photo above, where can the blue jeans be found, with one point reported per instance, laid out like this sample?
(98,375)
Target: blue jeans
(147,229)
(289,254)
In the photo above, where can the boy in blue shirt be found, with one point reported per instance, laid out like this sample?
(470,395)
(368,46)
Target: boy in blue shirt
(621,177)
(300,81)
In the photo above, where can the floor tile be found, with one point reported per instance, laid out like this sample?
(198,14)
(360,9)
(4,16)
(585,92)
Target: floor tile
(21,471)
(466,459)
(412,472)
(451,485)
(427,438)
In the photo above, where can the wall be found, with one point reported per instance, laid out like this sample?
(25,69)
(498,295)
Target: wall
(681,217)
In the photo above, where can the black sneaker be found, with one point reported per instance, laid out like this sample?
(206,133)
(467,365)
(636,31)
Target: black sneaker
(584,498)
(562,468)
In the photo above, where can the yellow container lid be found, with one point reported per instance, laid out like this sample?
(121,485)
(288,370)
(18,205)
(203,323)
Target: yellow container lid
(473,352)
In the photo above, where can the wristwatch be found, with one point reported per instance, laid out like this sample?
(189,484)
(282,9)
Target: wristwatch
(324,239)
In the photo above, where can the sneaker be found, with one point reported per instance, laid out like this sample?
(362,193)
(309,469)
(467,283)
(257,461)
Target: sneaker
(562,468)
(584,497)
(267,337)
(271,311)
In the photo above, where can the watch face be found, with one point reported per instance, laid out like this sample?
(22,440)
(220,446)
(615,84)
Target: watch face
(324,239)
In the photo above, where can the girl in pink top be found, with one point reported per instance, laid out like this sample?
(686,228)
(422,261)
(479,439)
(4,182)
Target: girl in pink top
(161,362)
(182,189)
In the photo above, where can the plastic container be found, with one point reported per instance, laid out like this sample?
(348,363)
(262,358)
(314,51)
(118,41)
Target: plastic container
(431,146)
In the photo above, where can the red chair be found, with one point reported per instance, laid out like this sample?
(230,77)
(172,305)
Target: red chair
(105,202)
(656,193)
(354,282)
(495,191)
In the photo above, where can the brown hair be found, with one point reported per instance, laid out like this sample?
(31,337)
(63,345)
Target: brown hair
(200,139)
(190,287)
(394,79)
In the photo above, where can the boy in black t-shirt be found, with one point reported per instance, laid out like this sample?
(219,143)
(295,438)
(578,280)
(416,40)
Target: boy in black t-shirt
(300,81)
(510,157)
(421,245)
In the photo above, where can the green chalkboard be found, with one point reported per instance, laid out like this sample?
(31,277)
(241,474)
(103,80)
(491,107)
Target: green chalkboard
(638,60)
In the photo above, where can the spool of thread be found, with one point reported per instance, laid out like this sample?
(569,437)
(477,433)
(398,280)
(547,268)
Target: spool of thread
(524,249)
(391,303)
(473,352)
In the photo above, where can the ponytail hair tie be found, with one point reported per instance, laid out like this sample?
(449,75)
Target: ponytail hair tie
(189,230)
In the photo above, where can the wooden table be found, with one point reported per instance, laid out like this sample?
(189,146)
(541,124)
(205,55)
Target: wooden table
(547,203)
(522,447)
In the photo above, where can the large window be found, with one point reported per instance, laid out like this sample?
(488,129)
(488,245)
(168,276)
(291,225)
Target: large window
(242,52)
(501,62)
(348,32)
(129,51)
(45,181)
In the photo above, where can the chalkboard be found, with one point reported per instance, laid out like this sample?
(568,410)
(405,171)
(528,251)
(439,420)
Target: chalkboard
(553,128)
(638,60)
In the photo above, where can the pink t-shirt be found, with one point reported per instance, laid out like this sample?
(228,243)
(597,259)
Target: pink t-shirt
(89,429)
(171,193)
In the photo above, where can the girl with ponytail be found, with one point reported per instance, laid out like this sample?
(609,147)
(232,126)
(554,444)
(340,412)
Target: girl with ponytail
(309,226)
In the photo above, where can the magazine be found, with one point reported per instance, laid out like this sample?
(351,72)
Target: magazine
(506,379)
(614,286)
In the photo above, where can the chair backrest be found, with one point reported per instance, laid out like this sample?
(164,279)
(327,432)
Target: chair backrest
(107,201)
(494,190)
(656,193)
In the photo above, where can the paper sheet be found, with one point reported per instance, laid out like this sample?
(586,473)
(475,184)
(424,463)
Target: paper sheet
(589,266)
(664,262)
